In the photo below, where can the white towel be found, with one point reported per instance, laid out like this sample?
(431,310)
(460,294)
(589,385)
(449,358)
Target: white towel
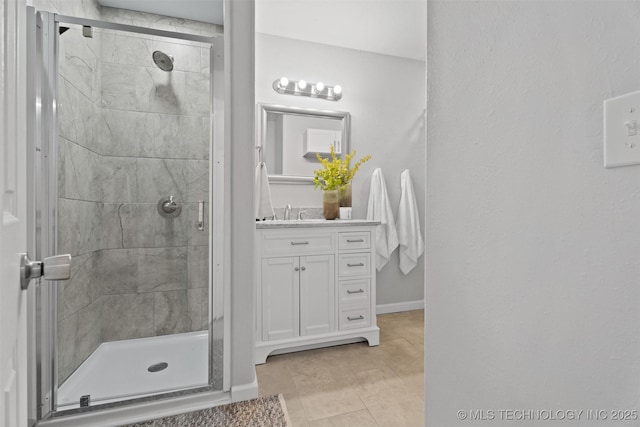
(263,206)
(409,235)
(379,209)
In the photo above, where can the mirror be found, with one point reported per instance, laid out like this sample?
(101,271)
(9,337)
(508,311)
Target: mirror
(290,137)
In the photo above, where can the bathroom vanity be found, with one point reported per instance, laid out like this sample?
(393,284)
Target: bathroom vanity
(316,285)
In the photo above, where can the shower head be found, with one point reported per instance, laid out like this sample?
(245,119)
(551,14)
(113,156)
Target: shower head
(163,61)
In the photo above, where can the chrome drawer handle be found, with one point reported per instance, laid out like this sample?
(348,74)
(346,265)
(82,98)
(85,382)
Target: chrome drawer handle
(355,240)
(356,265)
(361,317)
(359,291)
(299,243)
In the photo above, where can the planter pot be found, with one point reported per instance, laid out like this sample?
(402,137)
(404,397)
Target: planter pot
(345,196)
(331,204)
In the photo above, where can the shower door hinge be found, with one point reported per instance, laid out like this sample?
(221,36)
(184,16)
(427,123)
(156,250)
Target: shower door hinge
(85,400)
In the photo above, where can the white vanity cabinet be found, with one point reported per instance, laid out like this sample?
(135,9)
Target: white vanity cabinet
(315,285)
(297,296)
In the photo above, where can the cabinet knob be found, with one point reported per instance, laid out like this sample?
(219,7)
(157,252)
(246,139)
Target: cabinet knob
(296,269)
(304,268)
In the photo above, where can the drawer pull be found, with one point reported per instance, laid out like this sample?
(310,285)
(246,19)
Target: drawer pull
(355,240)
(299,243)
(361,317)
(359,291)
(356,265)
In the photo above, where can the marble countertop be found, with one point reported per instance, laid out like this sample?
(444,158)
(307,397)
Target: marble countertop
(312,223)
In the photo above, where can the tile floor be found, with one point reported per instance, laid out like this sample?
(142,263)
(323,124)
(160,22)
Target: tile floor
(355,385)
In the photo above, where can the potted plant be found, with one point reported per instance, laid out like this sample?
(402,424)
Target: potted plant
(334,178)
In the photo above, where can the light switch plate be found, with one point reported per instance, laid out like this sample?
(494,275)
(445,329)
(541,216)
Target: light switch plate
(622,130)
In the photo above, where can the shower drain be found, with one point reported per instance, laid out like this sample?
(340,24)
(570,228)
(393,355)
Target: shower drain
(157,367)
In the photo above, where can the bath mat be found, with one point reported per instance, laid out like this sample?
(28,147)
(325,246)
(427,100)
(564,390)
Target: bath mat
(268,411)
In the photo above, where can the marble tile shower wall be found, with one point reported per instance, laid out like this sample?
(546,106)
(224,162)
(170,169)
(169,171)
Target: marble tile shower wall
(79,313)
(129,135)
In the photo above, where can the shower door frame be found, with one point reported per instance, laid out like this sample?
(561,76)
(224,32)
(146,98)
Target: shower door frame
(44,44)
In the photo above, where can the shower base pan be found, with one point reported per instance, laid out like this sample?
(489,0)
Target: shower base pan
(121,370)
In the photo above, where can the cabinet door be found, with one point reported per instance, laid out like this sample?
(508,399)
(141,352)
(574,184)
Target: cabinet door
(280,298)
(317,294)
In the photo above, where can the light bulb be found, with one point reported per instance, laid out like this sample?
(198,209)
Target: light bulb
(337,89)
(319,87)
(284,82)
(302,84)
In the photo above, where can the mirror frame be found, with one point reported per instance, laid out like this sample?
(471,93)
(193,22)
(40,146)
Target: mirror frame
(263,109)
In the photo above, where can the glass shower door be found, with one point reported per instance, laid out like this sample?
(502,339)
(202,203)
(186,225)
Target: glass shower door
(130,137)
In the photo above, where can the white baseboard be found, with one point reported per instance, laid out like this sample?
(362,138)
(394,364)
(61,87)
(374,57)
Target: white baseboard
(399,306)
(244,391)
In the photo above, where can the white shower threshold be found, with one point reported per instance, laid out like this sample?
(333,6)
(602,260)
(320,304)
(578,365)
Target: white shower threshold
(119,370)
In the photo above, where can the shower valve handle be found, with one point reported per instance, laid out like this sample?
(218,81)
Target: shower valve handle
(52,268)
(170,205)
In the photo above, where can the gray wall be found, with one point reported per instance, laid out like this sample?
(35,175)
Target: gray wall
(532,268)
(155,124)
(385,96)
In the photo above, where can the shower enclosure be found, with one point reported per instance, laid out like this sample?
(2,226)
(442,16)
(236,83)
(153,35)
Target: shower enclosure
(129,127)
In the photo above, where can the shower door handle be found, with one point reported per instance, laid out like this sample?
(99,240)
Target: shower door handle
(52,268)
(201,215)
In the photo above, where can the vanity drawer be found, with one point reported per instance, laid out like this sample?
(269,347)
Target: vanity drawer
(278,243)
(360,240)
(354,291)
(354,265)
(354,318)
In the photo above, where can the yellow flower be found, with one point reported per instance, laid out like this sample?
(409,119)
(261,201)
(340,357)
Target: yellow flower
(336,174)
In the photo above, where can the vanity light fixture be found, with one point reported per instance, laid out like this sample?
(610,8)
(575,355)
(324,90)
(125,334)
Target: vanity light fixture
(303,88)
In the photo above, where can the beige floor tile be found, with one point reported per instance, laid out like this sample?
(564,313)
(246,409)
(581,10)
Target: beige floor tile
(393,410)
(378,381)
(329,401)
(269,385)
(296,411)
(275,379)
(357,358)
(353,419)
(414,385)
(352,385)
(403,358)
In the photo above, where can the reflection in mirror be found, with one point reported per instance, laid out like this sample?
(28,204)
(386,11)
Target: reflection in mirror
(290,138)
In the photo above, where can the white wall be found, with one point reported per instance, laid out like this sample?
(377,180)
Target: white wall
(385,96)
(532,286)
(239,168)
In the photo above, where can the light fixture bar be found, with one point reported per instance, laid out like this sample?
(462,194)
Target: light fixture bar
(303,88)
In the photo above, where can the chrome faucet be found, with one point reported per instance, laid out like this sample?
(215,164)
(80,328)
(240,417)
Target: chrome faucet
(287,212)
(300,214)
